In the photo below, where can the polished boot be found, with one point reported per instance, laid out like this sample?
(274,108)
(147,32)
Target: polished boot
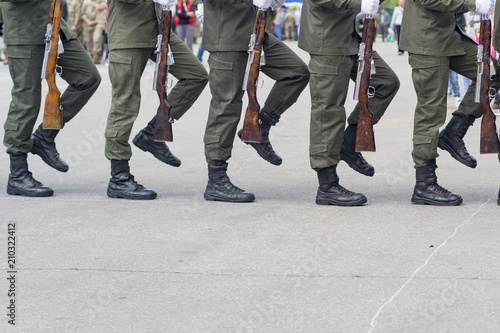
(21,181)
(353,158)
(428,192)
(451,139)
(264,149)
(330,192)
(123,185)
(220,188)
(44,145)
(144,140)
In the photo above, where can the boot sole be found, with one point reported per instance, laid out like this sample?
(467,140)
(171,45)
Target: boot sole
(261,154)
(174,164)
(444,146)
(211,197)
(264,157)
(341,203)
(353,166)
(419,201)
(39,152)
(15,191)
(119,195)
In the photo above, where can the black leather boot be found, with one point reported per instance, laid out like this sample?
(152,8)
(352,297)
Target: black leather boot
(44,145)
(123,185)
(428,192)
(450,139)
(144,140)
(21,181)
(264,149)
(330,192)
(353,158)
(220,188)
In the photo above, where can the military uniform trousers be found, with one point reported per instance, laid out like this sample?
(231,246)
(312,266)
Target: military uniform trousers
(125,70)
(25,65)
(430,79)
(227,70)
(329,84)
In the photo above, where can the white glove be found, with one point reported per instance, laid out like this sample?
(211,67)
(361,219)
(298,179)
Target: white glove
(484,6)
(200,13)
(168,3)
(371,6)
(262,3)
(275,4)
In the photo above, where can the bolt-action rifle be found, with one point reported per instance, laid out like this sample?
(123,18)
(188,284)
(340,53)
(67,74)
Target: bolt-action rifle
(489,135)
(52,114)
(164,58)
(251,124)
(365,140)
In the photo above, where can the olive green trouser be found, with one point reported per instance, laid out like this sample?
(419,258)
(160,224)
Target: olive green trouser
(329,84)
(227,70)
(125,70)
(25,65)
(430,79)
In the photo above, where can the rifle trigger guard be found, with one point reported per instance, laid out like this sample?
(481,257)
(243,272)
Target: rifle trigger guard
(371,92)
(491,93)
(169,82)
(260,83)
(59,70)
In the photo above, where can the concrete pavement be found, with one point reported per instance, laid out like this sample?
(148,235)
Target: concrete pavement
(87,263)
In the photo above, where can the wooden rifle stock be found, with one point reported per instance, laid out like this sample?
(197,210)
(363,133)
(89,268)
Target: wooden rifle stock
(52,114)
(251,125)
(163,125)
(365,140)
(489,136)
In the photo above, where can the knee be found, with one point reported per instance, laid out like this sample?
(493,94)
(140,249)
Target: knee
(93,81)
(302,74)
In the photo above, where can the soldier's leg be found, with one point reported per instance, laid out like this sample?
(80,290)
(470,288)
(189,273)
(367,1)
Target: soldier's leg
(386,85)
(25,66)
(328,85)
(125,70)
(291,76)
(288,70)
(192,79)
(430,79)
(451,137)
(83,79)
(225,79)
(81,75)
